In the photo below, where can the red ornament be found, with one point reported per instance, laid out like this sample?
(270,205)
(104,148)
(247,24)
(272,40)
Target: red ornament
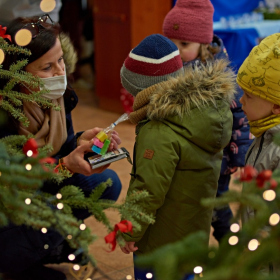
(3,32)
(123,226)
(31,145)
(248,173)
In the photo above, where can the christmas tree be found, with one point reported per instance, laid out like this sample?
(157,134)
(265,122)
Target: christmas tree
(247,252)
(24,167)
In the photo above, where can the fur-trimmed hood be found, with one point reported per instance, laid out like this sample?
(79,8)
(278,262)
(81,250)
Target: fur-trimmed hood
(199,86)
(194,105)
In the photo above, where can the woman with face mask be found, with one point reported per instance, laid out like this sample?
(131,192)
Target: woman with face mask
(48,49)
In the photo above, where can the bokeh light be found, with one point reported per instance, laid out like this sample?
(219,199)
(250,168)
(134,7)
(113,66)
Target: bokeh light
(71,257)
(269,195)
(274,219)
(149,275)
(60,206)
(23,37)
(198,269)
(83,226)
(2,56)
(27,201)
(233,240)
(28,166)
(58,195)
(44,230)
(235,227)
(29,153)
(76,267)
(47,5)
(253,245)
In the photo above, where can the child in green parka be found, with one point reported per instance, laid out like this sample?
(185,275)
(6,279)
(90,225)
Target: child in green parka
(183,122)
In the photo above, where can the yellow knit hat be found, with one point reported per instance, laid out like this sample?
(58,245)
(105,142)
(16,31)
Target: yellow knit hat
(260,72)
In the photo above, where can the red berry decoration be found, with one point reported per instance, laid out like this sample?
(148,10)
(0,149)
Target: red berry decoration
(31,145)
(265,175)
(248,173)
(260,182)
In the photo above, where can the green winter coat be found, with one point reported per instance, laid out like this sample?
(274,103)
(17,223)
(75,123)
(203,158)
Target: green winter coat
(178,151)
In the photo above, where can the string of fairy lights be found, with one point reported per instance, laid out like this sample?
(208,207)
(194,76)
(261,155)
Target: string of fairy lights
(253,244)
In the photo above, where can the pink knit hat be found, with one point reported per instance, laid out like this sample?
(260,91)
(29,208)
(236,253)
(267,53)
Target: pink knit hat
(190,20)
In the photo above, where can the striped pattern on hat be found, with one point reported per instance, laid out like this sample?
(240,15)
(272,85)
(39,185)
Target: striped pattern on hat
(153,61)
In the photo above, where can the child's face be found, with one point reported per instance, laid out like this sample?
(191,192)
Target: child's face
(188,50)
(254,107)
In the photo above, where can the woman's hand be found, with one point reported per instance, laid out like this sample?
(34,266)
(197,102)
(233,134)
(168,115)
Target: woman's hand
(129,247)
(76,163)
(89,134)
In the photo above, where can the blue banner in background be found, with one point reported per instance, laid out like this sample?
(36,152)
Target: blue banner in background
(225,8)
(238,43)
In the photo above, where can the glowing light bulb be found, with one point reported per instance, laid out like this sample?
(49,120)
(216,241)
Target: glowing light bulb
(274,219)
(128,277)
(27,201)
(58,195)
(197,269)
(28,166)
(29,153)
(46,246)
(83,226)
(60,205)
(76,267)
(253,245)
(233,240)
(71,257)
(2,56)
(47,5)
(235,227)
(44,230)
(69,237)
(149,275)
(269,195)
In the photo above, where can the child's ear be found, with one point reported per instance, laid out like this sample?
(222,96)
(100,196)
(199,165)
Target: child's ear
(276,109)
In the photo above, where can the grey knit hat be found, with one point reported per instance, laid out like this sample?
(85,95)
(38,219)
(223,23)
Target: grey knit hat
(154,60)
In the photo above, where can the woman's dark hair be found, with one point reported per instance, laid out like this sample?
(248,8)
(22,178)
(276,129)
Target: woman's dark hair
(44,40)
(38,46)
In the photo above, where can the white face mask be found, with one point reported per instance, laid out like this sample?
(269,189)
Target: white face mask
(56,85)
